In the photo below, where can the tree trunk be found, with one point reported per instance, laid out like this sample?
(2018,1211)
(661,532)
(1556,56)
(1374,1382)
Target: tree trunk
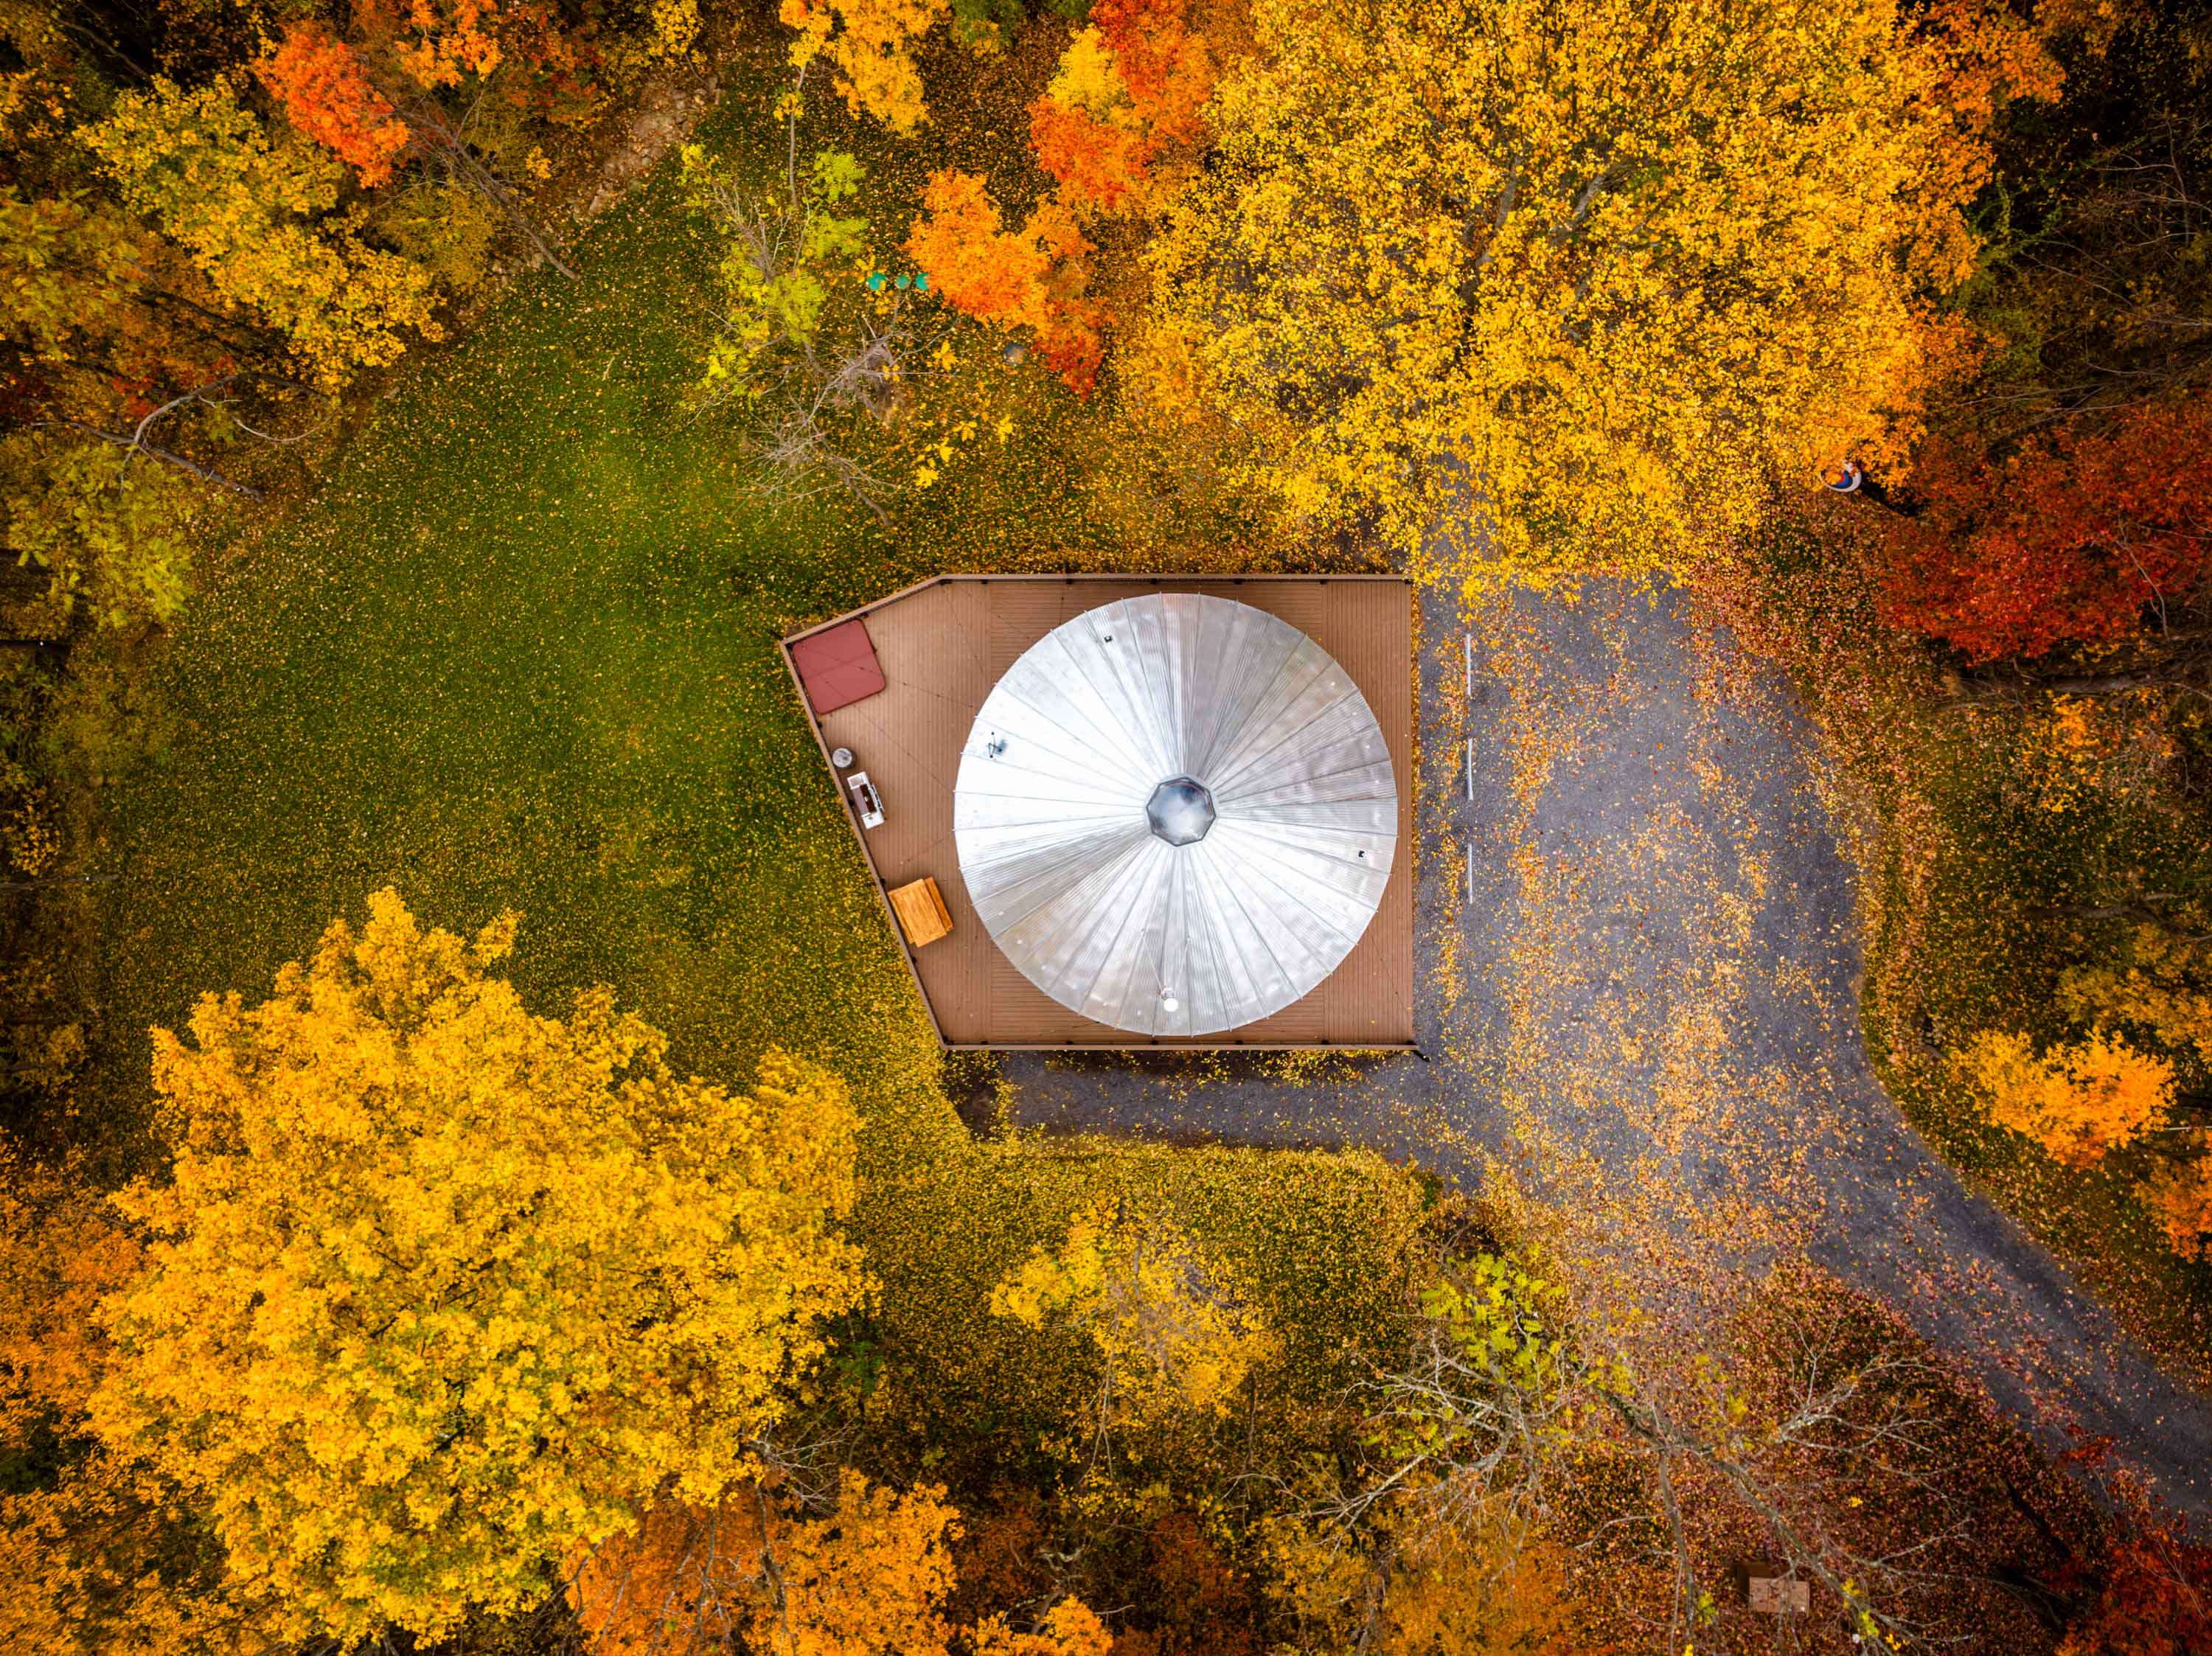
(2178,672)
(449,143)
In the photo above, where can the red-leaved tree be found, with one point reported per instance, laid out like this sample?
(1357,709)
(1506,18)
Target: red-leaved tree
(2150,1594)
(2075,539)
(1168,69)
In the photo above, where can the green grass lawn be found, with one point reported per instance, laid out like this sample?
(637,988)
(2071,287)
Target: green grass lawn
(519,651)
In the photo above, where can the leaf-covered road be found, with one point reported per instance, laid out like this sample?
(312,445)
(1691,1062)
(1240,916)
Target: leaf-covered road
(1645,1005)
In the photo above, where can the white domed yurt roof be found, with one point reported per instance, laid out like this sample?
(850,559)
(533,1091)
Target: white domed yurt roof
(1175,814)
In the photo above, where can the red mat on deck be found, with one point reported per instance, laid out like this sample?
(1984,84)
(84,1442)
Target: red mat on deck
(837,667)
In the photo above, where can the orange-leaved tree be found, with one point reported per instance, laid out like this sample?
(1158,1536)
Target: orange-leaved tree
(2078,1100)
(1129,89)
(1032,278)
(438,1289)
(2179,1197)
(437,42)
(867,1577)
(326,93)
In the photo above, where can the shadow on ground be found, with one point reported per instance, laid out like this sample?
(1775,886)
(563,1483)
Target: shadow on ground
(1643,1002)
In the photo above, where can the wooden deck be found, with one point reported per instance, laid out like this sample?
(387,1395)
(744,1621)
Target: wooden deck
(944,643)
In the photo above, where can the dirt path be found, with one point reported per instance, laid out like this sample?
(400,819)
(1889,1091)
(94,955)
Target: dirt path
(1645,1003)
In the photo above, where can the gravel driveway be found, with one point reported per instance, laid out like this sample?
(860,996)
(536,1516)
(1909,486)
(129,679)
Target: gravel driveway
(1644,1002)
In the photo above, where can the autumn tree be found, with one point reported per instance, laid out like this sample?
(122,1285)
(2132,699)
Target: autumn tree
(1471,1431)
(869,45)
(2158,980)
(97,1555)
(1577,276)
(440,43)
(438,1289)
(110,535)
(109,336)
(1129,89)
(2179,1197)
(2077,537)
(2151,1590)
(2076,1100)
(60,1252)
(1068,1628)
(1972,58)
(75,296)
(374,105)
(1031,280)
(326,93)
(1173,1329)
(1448,1601)
(868,1575)
(255,216)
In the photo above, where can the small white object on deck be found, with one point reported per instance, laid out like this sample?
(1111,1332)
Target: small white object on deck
(865,799)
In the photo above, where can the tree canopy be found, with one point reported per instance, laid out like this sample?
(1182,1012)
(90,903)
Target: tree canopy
(1578,272)
(438,1288)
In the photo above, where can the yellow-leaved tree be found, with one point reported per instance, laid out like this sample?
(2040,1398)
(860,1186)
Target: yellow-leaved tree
(869,44)
(255,214)
(1561,279)
(97,1555)
(1173,1327)
(2160,980)
(438,1290)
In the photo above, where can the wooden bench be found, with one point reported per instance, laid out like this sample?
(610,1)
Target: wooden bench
(922,912)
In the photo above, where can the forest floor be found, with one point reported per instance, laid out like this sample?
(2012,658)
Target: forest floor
(1645,1003)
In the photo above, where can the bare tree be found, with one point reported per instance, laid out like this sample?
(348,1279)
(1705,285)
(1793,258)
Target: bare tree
(1500,1401)
(804,349)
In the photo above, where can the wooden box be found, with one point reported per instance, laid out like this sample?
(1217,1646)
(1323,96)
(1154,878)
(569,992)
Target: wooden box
(922,912)
(1771,1590)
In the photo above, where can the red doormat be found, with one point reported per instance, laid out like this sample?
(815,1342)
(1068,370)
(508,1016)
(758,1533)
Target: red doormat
(837,667)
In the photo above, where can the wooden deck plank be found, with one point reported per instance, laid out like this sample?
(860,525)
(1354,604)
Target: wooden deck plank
(943,643)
